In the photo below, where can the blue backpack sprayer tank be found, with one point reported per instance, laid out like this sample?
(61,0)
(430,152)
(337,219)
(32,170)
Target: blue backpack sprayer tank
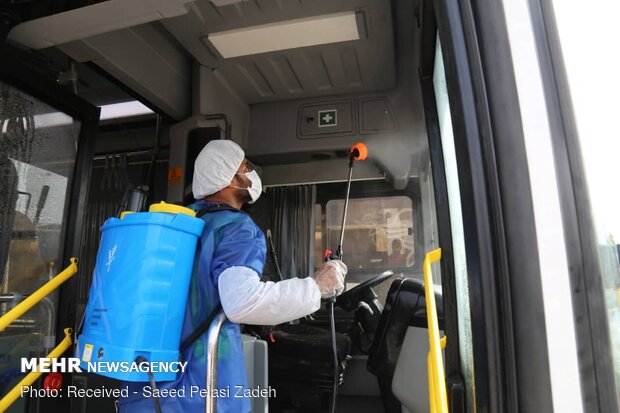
(139,290)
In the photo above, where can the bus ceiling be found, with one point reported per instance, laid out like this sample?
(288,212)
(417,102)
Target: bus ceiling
(293,95)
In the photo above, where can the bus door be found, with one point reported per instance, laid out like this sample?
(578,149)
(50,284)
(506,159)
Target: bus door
(45,135)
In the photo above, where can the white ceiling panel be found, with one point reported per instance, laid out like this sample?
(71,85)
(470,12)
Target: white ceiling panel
(352,66)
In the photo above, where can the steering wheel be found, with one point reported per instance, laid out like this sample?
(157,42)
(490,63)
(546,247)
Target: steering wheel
(348,298)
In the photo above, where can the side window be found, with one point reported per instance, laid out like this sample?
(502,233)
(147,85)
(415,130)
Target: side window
(595,106)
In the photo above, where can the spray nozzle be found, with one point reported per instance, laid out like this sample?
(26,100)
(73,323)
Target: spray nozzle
(359,152)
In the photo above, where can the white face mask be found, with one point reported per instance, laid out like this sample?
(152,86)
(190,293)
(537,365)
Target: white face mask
(256,186)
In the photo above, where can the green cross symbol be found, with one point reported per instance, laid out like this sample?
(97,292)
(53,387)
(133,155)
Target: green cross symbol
(328,118)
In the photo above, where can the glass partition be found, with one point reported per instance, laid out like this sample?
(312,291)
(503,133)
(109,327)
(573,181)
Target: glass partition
(38,147)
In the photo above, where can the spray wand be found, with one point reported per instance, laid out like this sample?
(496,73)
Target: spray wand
(358,152)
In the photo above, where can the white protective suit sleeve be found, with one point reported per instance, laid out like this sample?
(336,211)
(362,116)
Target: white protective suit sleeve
(247,300)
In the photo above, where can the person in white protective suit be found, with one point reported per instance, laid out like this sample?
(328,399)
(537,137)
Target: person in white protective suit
(229,263)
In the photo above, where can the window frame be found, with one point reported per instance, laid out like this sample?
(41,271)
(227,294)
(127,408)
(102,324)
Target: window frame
(501,249)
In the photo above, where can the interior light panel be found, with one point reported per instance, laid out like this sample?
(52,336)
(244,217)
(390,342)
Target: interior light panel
(289,34)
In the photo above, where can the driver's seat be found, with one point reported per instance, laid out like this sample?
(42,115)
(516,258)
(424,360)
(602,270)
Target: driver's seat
(301,365)
(405,307)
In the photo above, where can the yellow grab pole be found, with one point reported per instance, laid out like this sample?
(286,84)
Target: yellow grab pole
(436,375)
(38,295)
(431,383)
(432,377)
(31,377)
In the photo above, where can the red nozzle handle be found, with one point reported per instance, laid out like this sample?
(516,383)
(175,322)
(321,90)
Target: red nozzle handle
(327,254)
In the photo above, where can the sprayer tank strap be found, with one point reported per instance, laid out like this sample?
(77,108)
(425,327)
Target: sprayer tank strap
(214,207)
(204,326)
(200,330)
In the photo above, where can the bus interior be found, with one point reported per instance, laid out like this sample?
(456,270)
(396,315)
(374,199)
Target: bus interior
(105,105)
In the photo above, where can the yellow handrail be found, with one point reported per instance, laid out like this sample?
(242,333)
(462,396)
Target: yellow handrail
(436,375)
(38,295)
(31,377)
